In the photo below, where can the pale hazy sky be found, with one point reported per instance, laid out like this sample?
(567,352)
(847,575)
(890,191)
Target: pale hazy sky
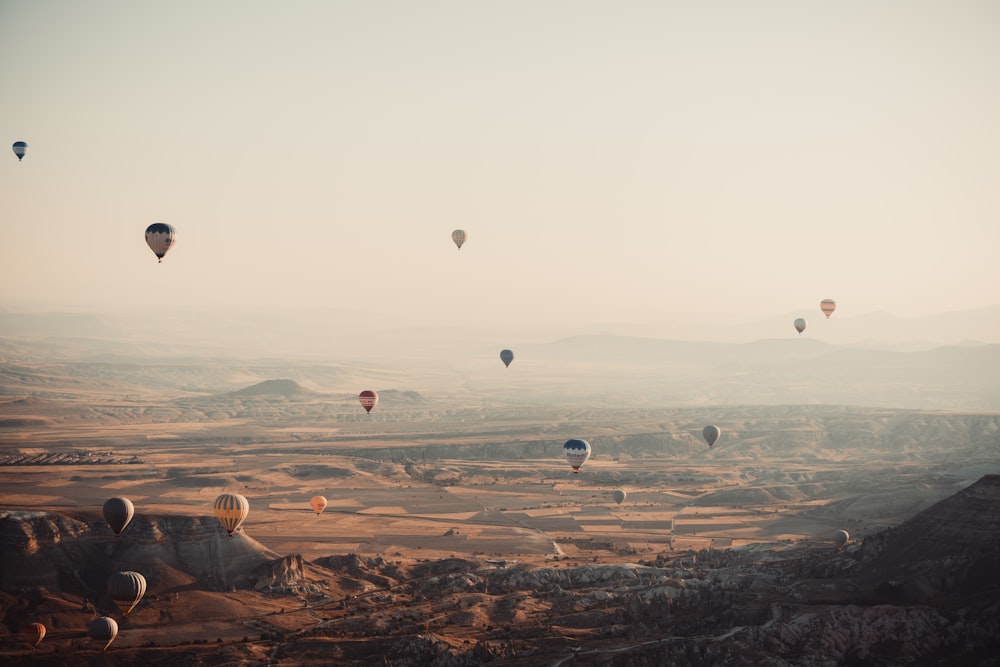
(610,161)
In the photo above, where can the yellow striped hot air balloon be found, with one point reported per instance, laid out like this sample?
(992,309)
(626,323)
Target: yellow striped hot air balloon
(231,509)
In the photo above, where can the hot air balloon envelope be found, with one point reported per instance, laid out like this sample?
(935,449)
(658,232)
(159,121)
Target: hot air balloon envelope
(159,237)
(619,496)
(800,324)
(711,434)
(828,306)
(577,452)
(126,589)
(506,356)
(20,150)
(35,633)
(231,509)
(103,629)
(369,399)
(840,537)
(118,512)
(459,236)
(318,504)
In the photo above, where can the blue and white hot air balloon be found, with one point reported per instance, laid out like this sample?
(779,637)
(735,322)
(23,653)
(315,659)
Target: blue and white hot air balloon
(577,452)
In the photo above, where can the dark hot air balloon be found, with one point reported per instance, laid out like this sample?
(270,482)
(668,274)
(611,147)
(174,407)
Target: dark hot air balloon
(103,629)
(369,399)
(118,512)
(800,324)
(159,237)
(506,356)
(840,537)
(231,509)
(577,452)
(20,150)
(126,589)
(711,434)
(619,496)
(459,236)
(34,634)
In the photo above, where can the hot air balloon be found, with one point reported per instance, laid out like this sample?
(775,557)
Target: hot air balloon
(369,399)
(577,452)
(506,356)
(103,629)
(126,589)
(20,150)
(318,504)
(34,634)
(231,509)
(118,512)
(619,496)
(459,236)
(711,434)
(159,237)
(840,537)
(800,324)
(828,306)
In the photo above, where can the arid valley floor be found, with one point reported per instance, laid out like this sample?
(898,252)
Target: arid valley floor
(457,535)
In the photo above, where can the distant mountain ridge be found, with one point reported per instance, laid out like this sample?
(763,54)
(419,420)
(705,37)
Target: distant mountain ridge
(273,388)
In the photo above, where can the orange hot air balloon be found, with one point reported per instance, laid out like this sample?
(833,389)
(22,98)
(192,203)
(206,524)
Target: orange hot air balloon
(318,504)
(35,633)
(369,399)
(828,306)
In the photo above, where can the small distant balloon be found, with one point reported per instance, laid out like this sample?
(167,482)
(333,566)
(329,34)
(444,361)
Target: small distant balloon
(231,509)
(159,237)
(318,503)
(800,324)
(619,495)
(368,399)
(20,150)
(840,537)
(34,634)
(506,356)
(459,236)
(118,512)
(577,452)
(126,589)
(828,306)
(103,629)
(711,434)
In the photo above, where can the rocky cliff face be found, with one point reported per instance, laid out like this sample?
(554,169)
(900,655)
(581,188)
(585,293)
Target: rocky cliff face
(948,554)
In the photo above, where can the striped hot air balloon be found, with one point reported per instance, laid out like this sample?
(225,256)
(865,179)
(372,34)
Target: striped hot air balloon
(231,509)
(459,236)
(20,150)
(828,306)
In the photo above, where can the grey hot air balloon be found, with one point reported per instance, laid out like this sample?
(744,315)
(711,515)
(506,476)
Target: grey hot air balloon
(800,324)
(840,537)
(118,512)
(126,589)
(506,356)
(103,629)
(160,237)
(459,236)
(619,495)
(711,433)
